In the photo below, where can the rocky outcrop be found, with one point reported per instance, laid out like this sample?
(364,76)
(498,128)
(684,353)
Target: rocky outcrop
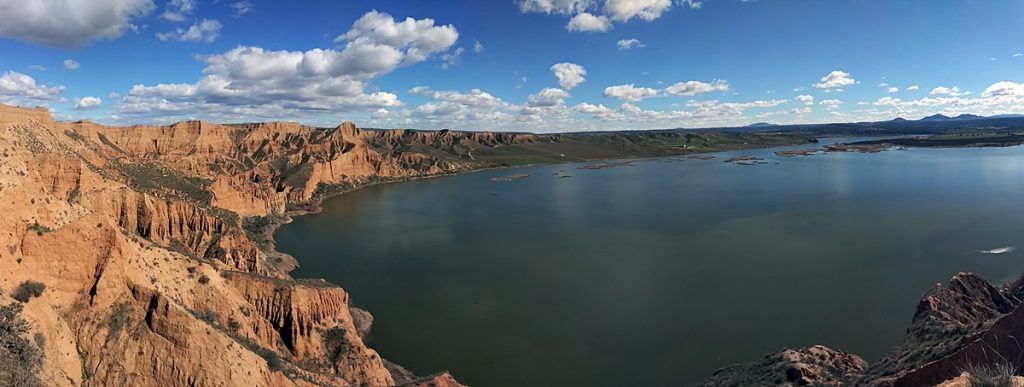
(967,324)
(160,342)
(181,226)
(817,365)
(12,115)
(405,378)
(966,379)
(303,315)
(150,277)
(948,319)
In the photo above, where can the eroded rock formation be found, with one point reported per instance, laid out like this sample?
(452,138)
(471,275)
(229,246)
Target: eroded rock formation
(154,243)
(151,278)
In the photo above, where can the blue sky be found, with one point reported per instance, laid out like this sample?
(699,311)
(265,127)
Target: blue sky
(492,65)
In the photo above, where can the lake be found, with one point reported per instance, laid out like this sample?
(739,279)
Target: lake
(658,274)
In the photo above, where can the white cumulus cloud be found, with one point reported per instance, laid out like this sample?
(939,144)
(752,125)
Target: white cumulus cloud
(564,7)
(835,79)
(569,74)
(587,22)
(1004,89)
(547,97)
(206,31)
(178,10)
(831,103)
(18,88)
(806,99)
(623,10)
(69,24)
(630,92)
(71,65)
(599,15)
(86,103)
(950,91)
(252,82)
(691,88)
(419,38)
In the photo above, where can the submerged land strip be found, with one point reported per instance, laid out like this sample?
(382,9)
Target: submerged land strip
(140,252)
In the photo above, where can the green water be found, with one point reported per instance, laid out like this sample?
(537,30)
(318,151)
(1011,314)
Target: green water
(659,273)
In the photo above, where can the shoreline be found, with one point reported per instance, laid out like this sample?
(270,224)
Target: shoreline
(315,205)
(290,263)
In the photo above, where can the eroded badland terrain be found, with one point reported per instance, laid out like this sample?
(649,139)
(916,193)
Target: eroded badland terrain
(149,246)
(143,255)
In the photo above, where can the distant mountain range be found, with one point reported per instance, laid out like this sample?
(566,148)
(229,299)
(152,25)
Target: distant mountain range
(903,122)
(962,117)
(933,124)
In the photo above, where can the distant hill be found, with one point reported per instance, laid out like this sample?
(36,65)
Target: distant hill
(962,117)
(761,125)
(936,117)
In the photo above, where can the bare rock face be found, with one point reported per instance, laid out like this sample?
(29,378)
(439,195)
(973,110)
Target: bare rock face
(966,300)
(363,321)
(405,378)
(151,278)
(817,365)
(949,320)
(301,316)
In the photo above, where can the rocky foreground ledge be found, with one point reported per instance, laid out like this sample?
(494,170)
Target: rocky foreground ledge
(967,326)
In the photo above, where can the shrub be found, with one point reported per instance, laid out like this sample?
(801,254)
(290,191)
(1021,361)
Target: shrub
(335,343)
(209,316)
(39,229)
(28,290)
(20,361)
(997,374)
(120,316)
(233,324)
(203,279)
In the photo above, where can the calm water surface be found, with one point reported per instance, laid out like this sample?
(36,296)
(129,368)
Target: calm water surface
(659,273)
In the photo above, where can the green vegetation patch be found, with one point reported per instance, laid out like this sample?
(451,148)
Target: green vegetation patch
(20,359)
(156,178)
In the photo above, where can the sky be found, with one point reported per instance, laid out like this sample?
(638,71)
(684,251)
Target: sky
(513,65)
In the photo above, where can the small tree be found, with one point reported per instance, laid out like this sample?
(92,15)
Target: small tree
(335,342)
(20,361)
(27,290)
